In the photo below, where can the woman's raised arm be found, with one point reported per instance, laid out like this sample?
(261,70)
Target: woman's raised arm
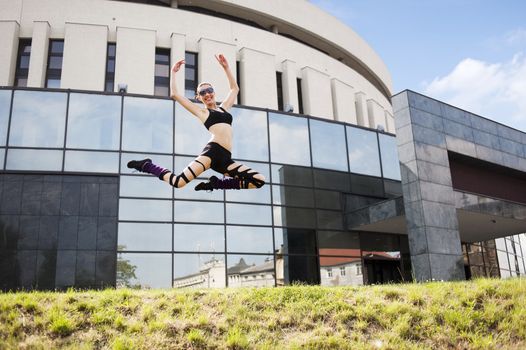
(230,99)
(181,98)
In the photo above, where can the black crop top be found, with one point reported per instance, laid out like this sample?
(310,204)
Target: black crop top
(216,117)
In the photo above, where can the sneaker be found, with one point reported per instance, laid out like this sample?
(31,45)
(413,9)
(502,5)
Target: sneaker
(207,186)
(138,164)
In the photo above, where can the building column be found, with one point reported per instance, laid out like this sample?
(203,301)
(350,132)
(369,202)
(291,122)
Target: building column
(317,99)
(258,78)
(209,70)
(290,85)
(177,53)
(343,102)
(9,43)
(135,60)
(376,114)
(38,59)
(85,52)
(362,117)
(389,122)
(429,200)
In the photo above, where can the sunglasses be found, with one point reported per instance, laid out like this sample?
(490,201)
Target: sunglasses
(209,90)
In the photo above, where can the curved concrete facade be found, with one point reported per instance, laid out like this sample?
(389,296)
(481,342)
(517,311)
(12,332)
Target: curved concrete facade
(342,77)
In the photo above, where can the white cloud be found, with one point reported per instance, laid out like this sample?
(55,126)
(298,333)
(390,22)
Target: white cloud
(493,90)
(516,37)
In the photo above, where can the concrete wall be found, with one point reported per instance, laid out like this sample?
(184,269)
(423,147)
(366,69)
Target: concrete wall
(130,26)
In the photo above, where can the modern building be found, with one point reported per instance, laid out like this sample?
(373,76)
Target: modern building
(84,89)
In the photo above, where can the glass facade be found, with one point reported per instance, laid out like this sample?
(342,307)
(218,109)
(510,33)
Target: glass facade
(291,230)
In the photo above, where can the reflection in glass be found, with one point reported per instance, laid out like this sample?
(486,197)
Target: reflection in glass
(291,175)
(200,212)
(248,214)
(292,196)
(294,217)
(34,159)
(140,186)
(94,121)
(260,195)
(38,119)
(164,161)
(328,140)
(341,271)
(244,239)
(5,104)
(144,237)
(250,136)
(199,238)
(92,162)
(2,157)
(145,210)
(389,152)
(191,135)
(147,125)
(289,140)
(363,151)
(338,243)
(199,271)
(251,271)
(146,270)
(381,258)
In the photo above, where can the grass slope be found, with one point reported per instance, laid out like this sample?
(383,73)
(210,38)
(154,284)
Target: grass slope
(481,314)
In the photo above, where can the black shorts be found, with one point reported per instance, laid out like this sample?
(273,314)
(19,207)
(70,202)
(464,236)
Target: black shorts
(220,156)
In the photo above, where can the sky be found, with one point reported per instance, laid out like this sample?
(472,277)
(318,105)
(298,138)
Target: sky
(468,53)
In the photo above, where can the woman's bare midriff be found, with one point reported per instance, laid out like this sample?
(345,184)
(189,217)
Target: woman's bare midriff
(222,134)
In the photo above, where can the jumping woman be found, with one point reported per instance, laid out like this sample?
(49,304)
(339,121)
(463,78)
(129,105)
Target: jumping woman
(217,152)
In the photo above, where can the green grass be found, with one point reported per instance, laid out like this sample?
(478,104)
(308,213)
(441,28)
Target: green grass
(480,314)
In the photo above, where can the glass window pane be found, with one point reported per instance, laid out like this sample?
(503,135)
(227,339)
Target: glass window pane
(328,140)
(259,195)
(363,151)
(56,46)
(199,238)
(339,271)
(389,152)
(147,270)
(191,135)
(251,271)
(499,242)
(292,196)
(38,119)
(248,214)
(53,83)
(250,136)
(291,175)
(147,125)
(199,271)
(94,121)
(5,104)
(289,140)
(34,159)
(2,157)
(92,162)
(338,243)
(200,212)
(140,186)
(162,70)
(188,192)
(55,62)
(245,239)
(294,217)
(164,161)
(145,210)
(144,237)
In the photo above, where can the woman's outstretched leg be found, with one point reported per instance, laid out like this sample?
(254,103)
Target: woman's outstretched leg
(193,170)
(240,177)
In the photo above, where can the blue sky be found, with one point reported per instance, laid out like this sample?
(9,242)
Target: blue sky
(469,53)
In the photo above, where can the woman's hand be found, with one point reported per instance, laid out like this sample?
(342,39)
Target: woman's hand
(222,60)
(177,66)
